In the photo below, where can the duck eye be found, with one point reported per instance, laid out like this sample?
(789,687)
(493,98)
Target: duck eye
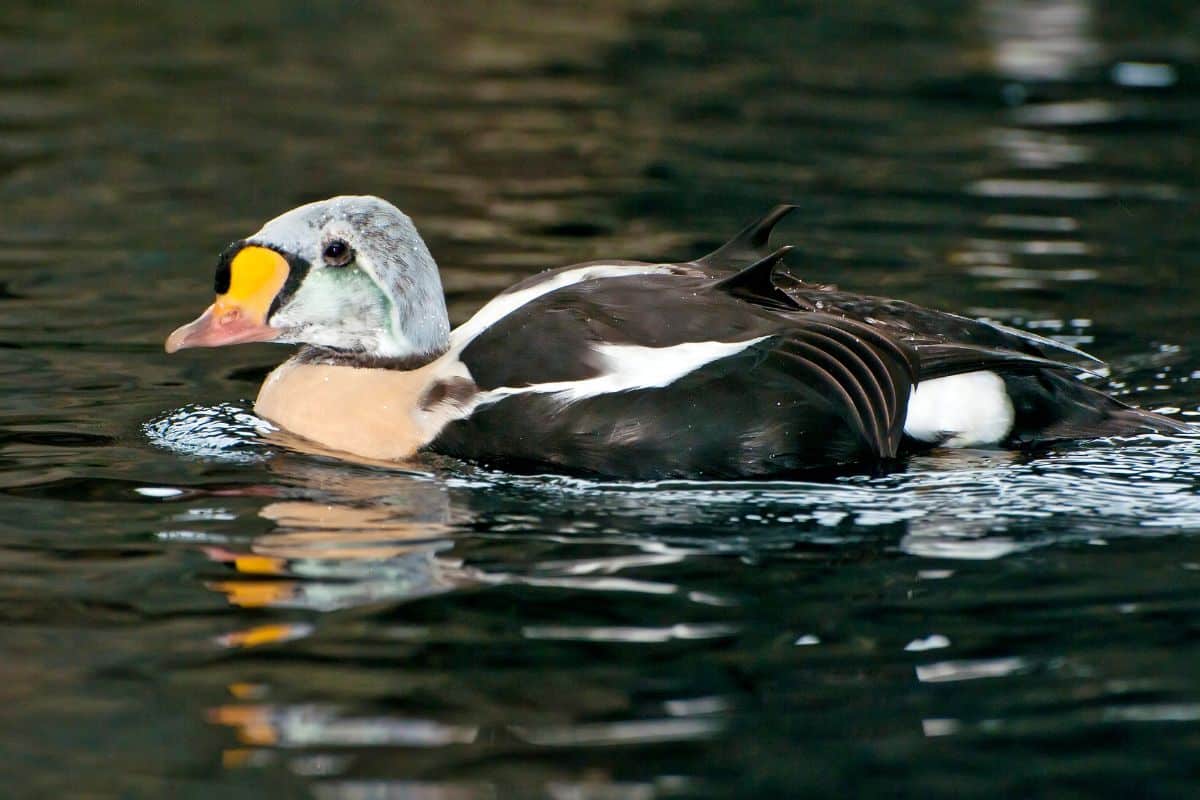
(337,253)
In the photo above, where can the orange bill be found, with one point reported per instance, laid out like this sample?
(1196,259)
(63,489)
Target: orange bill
(256,276)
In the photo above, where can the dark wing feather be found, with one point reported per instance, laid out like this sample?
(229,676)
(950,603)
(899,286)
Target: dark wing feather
(1042,344)
(755,283)
(822,371)
(940,359)
(897,350)
(836,349)
(748,246)
(874,373)
(922,326)
(890,376)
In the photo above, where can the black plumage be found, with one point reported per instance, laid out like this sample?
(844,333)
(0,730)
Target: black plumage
(827,381)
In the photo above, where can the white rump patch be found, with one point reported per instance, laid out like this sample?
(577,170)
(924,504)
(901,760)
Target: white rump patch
(630,367)
(969,410)
(505,304)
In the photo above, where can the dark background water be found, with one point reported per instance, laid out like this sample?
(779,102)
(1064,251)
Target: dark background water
(188,611)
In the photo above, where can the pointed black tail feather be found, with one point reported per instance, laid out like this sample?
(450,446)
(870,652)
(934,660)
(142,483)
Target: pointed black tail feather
(748,246)
(755,283)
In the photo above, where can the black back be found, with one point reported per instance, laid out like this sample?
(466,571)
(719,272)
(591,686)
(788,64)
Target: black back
(828,384)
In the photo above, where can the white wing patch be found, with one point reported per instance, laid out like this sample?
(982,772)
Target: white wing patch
(968,410)
(628,368)
(505,304)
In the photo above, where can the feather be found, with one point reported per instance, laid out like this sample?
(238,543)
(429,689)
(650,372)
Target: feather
(941,359)
(1042,342)
(755,284)
(748,246)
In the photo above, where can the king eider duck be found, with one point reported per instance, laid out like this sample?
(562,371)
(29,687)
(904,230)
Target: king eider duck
(727,366)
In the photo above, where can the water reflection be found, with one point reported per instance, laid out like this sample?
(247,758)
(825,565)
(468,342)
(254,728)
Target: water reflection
(367,538)
(406,790)
(325,726)
(349,536)
(377,540)
(1039,40)
(1141,74)
(944,671)
(325,557)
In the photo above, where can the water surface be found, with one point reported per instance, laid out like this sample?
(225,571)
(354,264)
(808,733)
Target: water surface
(189,609)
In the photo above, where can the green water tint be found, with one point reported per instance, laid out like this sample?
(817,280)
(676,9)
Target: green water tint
(192,608)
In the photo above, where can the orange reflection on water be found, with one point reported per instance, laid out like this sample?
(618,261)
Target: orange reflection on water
(265,634)
(255,594)
(253,723)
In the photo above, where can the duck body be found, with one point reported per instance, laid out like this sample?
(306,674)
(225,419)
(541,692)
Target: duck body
(728,366)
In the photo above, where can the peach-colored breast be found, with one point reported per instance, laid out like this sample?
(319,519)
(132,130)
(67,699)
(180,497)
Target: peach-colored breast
(371,413)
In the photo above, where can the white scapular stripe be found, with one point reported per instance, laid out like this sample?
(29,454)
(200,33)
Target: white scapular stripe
(968,410)
(505,304)
(628,368)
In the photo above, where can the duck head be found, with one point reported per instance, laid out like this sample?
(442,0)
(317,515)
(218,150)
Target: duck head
(350,275)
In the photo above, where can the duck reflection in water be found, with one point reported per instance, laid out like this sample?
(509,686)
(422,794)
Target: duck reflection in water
(362,535)
(367,539)
(370,538)
(352,550)
(360,541)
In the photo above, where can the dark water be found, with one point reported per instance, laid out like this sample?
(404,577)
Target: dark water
(188,611)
